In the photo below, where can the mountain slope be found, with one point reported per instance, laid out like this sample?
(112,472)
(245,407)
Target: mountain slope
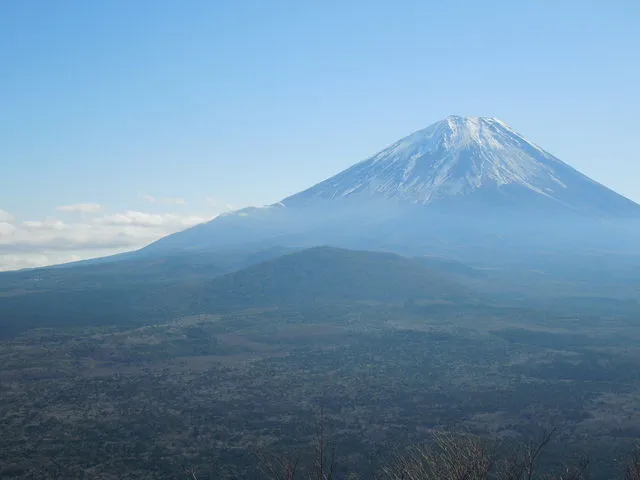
(462,167)
(471,156)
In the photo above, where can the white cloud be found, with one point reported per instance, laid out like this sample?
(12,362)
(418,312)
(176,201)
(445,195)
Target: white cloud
(20,261)
(141,219)
(5,216)
(33,243)
(6,229)
(93,232)
(164,201)
(48,224)
(80,208)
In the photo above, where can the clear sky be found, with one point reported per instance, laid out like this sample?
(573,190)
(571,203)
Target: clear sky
(121,121)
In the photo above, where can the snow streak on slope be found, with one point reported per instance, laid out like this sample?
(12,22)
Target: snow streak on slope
(454,157)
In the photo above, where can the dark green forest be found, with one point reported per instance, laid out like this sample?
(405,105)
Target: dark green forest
(225,376)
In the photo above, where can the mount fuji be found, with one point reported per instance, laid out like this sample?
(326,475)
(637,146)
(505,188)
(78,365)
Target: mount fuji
(468,156)
(458,181)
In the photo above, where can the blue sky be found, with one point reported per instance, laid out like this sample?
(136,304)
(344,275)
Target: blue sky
(210,105)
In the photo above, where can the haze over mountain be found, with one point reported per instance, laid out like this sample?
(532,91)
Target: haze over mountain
(458,181)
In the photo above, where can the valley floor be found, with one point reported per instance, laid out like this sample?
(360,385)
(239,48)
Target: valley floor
(207,392)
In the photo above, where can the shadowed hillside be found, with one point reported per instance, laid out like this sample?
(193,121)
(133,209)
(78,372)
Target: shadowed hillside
(327,274)
(108,295)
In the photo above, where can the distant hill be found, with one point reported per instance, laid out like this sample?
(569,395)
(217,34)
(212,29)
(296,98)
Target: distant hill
(320,274)
(134,271)
(127,272)
(323,274)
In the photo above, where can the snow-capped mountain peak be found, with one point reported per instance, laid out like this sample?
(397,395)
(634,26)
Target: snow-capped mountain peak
(458,178)
(457,157)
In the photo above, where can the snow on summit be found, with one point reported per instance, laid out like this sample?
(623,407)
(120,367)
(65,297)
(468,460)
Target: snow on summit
(457,157)
(452,157)
(460,166)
